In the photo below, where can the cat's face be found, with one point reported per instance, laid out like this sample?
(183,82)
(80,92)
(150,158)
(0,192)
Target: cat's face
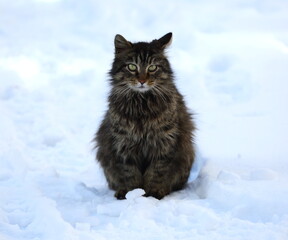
(141,66)
(142,72)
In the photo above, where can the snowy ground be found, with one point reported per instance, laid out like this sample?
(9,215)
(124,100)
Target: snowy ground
(230,59)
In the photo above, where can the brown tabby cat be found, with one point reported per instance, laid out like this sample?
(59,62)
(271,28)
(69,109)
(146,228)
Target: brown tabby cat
(146,138)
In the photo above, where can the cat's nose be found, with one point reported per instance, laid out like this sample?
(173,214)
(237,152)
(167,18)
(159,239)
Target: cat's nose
(142,81)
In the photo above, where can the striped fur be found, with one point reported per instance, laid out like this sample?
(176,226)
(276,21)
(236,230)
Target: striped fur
(146,137)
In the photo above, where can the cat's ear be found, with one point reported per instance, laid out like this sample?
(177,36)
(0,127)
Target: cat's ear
(121,44)
(165,41)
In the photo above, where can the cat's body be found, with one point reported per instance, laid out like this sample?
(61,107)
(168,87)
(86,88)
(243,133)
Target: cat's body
(146,138)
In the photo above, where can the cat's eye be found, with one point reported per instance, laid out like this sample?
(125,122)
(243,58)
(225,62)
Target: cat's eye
(132,67)
(152,68)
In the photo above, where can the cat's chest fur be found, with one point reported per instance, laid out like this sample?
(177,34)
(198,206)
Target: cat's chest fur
(143,127)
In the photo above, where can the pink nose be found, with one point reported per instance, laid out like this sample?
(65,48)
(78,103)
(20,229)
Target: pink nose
(142,81)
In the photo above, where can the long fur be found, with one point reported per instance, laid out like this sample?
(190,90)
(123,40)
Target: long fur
(146,137)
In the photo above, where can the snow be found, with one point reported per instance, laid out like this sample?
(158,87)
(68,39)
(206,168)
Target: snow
(230,60)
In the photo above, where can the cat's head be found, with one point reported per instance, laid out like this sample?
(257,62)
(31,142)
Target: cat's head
(141,66)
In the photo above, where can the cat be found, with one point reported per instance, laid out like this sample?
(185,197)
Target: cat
(146,139)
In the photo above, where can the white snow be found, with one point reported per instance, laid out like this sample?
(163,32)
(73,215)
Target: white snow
(230,59)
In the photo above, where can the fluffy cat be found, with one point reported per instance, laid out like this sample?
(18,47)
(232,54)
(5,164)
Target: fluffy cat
(146,137)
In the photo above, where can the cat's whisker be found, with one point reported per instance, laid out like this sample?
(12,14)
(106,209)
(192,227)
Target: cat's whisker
(158,92)
(162,93)
(121,90)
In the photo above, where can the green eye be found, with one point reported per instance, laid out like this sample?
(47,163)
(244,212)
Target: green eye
(152,68)
(132,67)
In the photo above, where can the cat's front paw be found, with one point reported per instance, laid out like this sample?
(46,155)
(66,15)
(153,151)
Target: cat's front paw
(159,194)
(120,194)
